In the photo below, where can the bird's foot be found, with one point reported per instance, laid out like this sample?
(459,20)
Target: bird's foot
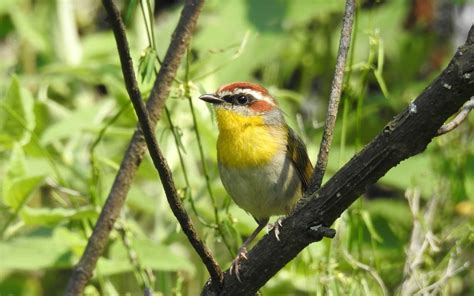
(276,226)
(234,268)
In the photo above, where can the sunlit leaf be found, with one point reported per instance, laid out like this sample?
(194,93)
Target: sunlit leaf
(370,226)
(28,30)
(38,251)
(17,164)
(146,65)
(152,255)
(17,191)
(17,119)
(80,120)
(50,216)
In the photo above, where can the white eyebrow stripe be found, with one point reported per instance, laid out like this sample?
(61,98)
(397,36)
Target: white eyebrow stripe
(257,95)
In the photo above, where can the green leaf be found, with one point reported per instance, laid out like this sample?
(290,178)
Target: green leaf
(32,253)
(16,185)
(151,254)
(108,267)
(17,191)
(17,119)
(381,82)
(77,121)
(17,163)
(146,65)
(370,226)
(28,29)
(39,251)
(42,216)
(132,5)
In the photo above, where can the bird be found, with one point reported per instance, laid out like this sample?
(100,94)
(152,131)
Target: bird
(263,164)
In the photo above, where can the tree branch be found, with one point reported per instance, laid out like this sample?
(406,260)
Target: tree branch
(136,150)
(335,96)
(157,157)
(407,135)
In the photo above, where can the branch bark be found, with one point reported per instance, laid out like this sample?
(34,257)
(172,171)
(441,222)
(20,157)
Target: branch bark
(136,150)
(157,157)
(334,97)
(407,135)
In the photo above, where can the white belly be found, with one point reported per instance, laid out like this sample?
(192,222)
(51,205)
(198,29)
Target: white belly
(263,191)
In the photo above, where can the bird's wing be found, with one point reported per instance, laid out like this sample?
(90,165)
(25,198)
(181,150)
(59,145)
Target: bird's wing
(296,151)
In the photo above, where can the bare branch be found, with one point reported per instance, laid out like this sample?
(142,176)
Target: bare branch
(407,135)
(157,157)
(136,150)
(335,96)
(447,127)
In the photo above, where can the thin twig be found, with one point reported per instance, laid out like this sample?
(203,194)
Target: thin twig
(136,150)
(144,279)
(447,127)
(157,157)
(336,88)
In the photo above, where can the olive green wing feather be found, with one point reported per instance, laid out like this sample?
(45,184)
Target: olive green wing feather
(296,151)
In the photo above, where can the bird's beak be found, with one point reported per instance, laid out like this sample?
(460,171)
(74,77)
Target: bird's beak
(210,98)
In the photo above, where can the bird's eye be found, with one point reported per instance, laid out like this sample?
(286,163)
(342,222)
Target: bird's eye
(242,99)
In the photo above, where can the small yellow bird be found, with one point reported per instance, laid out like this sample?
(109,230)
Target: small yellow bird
(263,164)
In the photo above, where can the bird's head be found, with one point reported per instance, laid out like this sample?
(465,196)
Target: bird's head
(244,100)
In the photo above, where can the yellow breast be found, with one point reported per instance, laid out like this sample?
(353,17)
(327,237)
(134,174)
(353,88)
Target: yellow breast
(245,141)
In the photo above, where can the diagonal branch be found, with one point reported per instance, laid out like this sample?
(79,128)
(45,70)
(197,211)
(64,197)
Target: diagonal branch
(335,96)
(407,135)
(136,150)
(157,157)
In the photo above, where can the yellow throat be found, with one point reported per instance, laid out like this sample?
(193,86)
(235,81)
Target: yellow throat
(246,141)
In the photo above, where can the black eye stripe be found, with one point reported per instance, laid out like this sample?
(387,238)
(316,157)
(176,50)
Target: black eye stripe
(228,98)
(238,99)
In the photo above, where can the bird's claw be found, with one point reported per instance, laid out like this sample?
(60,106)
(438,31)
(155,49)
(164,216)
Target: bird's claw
(234,267)
(276,226)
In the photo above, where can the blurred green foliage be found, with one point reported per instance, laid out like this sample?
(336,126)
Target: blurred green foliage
(66,121)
